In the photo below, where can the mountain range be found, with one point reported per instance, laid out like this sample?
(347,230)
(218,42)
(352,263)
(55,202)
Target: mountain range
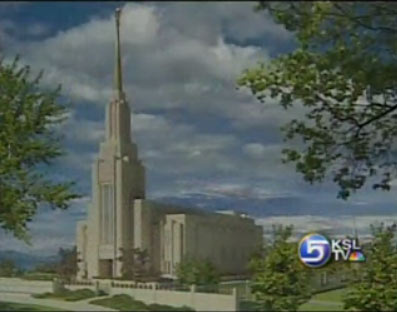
(26,261)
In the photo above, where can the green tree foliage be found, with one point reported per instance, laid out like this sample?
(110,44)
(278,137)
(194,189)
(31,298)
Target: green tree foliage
(191,271)
(28,139)
(280,281)
(134,263)
(45,268)
(376,289)
(343,78)
(8,268)
(67,266)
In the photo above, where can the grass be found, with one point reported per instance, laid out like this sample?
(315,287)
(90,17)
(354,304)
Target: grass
(332,301)
(128,303)
(249,306)
(10,307)
(311,306)
(325,301)
(332,295)
(68,295)
(36,276)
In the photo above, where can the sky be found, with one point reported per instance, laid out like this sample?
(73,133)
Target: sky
(203,141)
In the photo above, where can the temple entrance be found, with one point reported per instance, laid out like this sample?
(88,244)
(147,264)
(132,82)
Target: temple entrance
(106,268)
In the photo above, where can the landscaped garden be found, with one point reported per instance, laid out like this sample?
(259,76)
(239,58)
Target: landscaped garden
(68,295)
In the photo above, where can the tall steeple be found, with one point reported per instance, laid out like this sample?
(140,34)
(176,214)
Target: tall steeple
(118,179)
(118,74)
(118,113)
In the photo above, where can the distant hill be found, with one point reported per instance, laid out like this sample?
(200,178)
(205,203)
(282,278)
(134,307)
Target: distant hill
(277,206)
(26,261)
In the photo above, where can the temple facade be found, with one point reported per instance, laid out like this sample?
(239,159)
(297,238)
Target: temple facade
(121,219)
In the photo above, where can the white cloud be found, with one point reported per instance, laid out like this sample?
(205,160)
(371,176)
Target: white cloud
(181,62)
(86,131)
(50,230)
(78,161)
(254,150)
(160,58)
(236,19)
(37,29)
(344,225)
(179,148)
(260,24)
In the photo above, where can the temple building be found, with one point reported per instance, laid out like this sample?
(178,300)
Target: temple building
(120,218)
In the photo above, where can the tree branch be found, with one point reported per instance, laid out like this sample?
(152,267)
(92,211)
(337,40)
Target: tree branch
(358,20)
(379,116)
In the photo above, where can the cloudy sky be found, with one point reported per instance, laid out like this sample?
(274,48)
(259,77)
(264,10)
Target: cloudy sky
(204,143)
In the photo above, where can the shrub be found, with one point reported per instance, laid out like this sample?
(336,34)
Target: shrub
(128,303)
(68,295)
(163,307)
(199,272)
(80,295)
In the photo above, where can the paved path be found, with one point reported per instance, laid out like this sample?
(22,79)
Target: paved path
(82,305)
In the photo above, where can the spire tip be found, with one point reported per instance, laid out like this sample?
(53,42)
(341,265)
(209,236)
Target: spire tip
(118,69)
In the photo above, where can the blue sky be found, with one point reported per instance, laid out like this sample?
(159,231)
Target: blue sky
(203,142)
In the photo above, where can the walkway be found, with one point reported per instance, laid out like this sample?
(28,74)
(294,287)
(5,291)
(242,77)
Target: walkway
(82,305)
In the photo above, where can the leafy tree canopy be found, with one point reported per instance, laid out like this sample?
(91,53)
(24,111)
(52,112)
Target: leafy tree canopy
(67,266)
(198,272)
(280,281)
(343,77)
(376,290)
(28,139)
(134,263)
(8,268)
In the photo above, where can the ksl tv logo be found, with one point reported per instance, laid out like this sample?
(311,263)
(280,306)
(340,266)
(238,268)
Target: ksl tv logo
(315,250)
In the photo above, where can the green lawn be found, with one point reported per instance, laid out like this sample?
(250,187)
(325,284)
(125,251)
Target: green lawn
(68,295)
(247,305)
(36,276)
(332,295)
(332,301)
(325,301)
(10,306)
(128,303)
(311,306)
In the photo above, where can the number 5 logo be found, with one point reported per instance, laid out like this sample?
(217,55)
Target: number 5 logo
(314,250)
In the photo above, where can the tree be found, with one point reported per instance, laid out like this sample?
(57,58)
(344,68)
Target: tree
(335,273)
(343,78)
(28,142)
(67,266)
(8,268)
(134,263)
(192,271)
(280,281)
(50,267)
(377,287)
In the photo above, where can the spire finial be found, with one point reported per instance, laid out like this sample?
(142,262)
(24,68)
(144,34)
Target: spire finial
(118,77)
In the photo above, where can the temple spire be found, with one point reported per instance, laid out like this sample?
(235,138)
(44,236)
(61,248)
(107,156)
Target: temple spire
(118,119)
(118,75)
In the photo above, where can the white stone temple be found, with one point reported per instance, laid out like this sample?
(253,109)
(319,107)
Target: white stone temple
(121,218)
